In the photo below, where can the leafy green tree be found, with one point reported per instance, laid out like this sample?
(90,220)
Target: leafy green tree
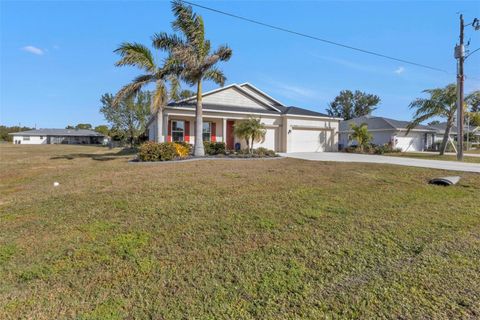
(129,117)
(361,135)
(84,126)
(349,105)
(4,132)
(252,130)
(434,122)
(473,103)
(191,56)
(70,127)
(442,102)
(103,129)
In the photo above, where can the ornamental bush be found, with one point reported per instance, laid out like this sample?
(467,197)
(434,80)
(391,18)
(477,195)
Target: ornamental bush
(152,151)
(214,148)
(181,150)
(264,152)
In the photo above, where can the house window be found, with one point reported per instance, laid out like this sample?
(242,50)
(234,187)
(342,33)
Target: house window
(178,130)
(26,138)
(207,131)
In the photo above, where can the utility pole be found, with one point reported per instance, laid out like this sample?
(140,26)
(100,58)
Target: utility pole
(460,56)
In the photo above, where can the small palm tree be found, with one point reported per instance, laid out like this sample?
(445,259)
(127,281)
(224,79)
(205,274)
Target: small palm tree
(138,55)
(361,135)
(191,53)
(252,130)
(441,103)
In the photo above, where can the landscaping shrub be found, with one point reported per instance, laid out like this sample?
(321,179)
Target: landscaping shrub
(186,145)
(264,152)
(181,150)
(152,151)
(214,148)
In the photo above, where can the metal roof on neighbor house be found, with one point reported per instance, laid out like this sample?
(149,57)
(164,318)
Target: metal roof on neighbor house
(58,132)
(380,123)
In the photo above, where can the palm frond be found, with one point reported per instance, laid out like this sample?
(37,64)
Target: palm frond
(223,52)
(190,24)
(215,75)
(135,54)
(167,41)
(160,96)
(132,88)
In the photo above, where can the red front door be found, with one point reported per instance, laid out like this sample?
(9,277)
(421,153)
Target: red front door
(230,136)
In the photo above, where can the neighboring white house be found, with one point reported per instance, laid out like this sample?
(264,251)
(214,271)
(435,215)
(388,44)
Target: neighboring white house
(390,131)
(58,136)
(289,129)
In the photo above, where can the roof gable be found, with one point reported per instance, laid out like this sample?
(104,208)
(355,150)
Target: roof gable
(260,95)
(380,123)
(234,96)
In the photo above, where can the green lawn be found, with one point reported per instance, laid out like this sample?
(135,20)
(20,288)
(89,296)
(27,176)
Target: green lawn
(264,239)
(430,156)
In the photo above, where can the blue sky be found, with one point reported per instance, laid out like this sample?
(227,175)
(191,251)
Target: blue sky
(57,56)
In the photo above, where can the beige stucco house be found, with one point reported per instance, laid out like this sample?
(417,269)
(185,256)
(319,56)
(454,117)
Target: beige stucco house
(289,129)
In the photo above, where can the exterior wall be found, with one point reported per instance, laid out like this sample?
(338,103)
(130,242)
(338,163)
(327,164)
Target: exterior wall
(31,140)
(232,97)
(277,136)
(379,138)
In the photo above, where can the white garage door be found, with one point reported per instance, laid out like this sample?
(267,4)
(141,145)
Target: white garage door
(305,140)
(409,143)
(270,140)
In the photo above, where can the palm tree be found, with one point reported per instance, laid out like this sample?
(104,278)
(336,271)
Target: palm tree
(441,103)
(361,134)
(191,53)
(138,55)
(252,130)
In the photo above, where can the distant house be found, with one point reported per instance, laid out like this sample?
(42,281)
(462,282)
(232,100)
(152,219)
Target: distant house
(58,136)
(288,129)
(390,131)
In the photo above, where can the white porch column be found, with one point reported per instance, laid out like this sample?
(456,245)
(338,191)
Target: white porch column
(165,128)
(224,130)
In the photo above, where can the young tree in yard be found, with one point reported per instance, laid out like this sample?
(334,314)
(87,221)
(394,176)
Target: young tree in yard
(84,126)
(103,129)
(349,105)
(191,54)
(129,117)
(361,135)
(252,130)
(473,103)
(442,102)
(138,55)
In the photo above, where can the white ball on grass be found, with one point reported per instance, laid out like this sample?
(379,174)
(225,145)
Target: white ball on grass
(56,184)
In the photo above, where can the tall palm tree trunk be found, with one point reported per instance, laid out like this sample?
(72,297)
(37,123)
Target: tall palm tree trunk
(198,150)
(446,136)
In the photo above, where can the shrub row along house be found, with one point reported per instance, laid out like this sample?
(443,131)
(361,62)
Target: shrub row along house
(288,129)
(58,136)
(394,133)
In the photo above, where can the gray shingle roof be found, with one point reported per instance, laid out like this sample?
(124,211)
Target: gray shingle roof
(58,132)
(440,128)
(284,110)
(380,123)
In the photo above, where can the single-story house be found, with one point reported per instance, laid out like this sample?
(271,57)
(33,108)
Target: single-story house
(390,131)
(58,136)
(288,129)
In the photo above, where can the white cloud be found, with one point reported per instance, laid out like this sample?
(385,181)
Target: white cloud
(33,50)
(399,70)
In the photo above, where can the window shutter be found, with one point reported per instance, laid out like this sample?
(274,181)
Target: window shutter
(187,131)
(169,134)
(213,136)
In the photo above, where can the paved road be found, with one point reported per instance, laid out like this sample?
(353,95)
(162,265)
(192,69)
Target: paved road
(352,157)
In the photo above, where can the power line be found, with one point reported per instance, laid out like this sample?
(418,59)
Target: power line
(316,38)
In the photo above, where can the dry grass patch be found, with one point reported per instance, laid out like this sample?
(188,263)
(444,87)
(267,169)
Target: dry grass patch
(226,239)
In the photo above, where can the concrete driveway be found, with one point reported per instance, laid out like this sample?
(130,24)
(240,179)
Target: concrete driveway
(353,157)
